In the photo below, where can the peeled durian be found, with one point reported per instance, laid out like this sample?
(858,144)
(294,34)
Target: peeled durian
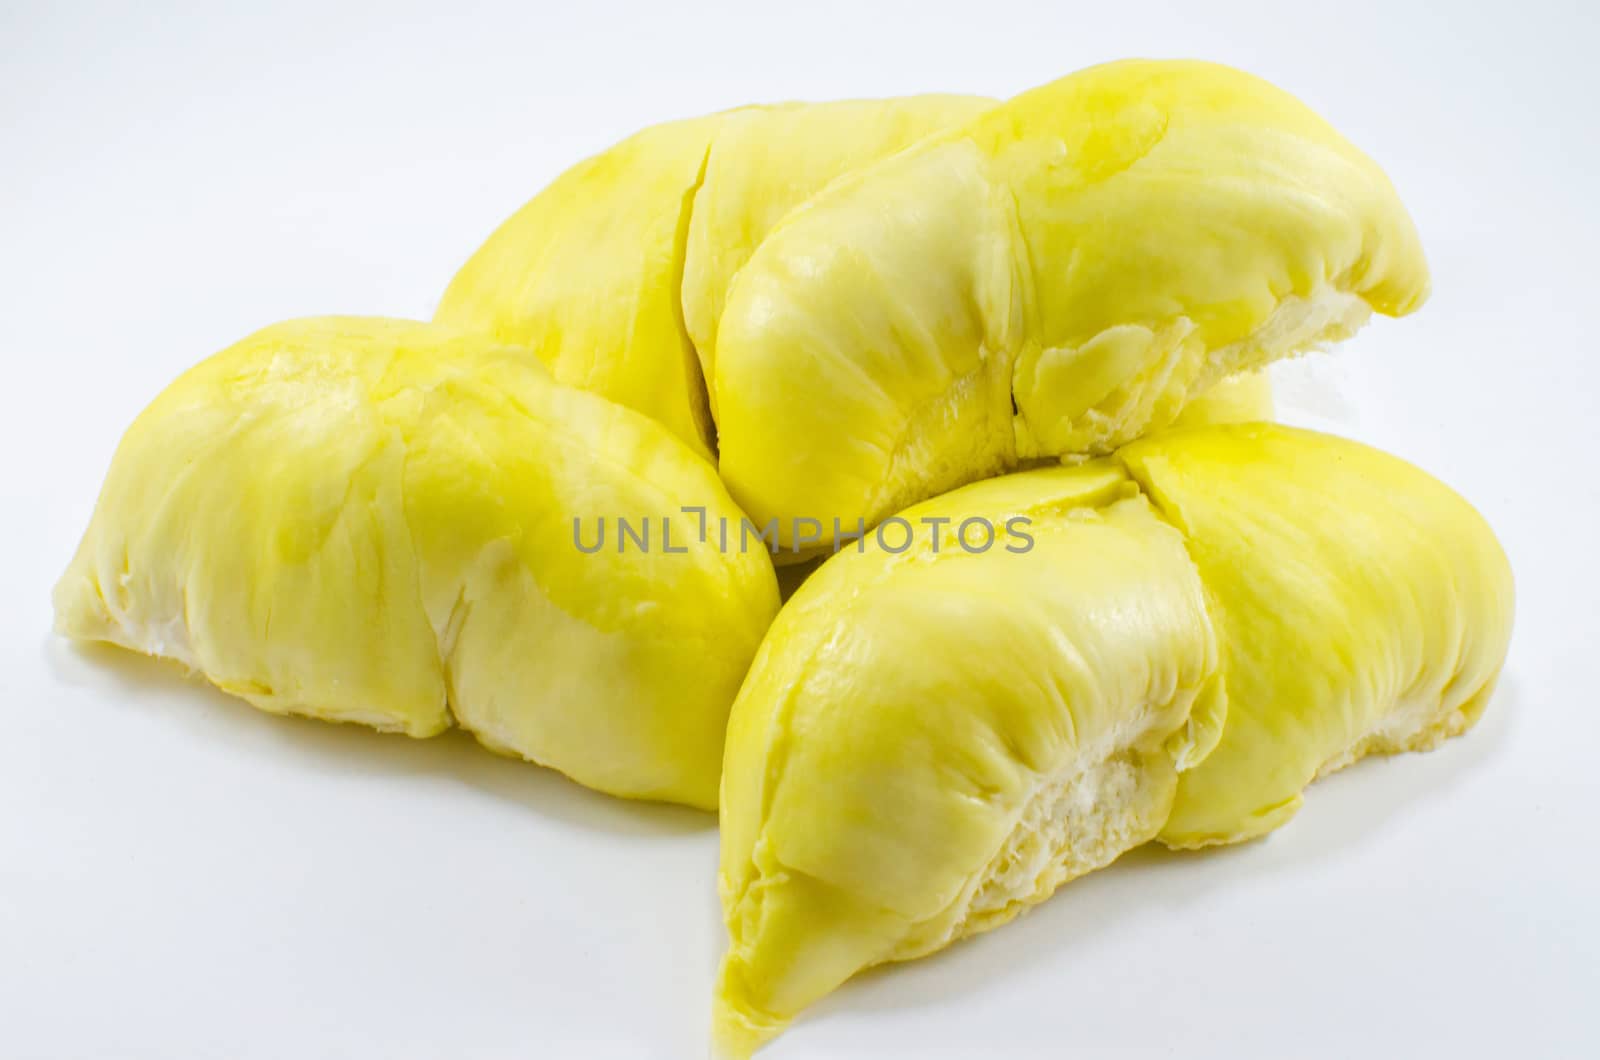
(853,307)
(614,275)
(1361,606)
(1242,398)
(929,740)
(1169,642)
(396,524)
(1054,277)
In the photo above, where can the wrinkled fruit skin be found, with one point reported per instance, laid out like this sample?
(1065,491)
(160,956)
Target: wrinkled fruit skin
(929,742)
(372,521)
(1054,277)
(614,275)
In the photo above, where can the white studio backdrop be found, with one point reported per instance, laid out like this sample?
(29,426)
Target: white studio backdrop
(183,877)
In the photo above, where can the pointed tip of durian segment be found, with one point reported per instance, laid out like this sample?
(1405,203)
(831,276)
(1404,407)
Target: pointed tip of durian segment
(736,1033)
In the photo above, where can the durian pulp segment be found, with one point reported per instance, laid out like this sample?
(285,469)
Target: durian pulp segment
(373,521)
(1362,607)
(908,762)
(615,275)
(1056,277)
(929,742)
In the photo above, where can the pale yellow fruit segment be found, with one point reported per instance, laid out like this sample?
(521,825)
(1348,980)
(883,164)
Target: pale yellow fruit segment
(1208,620)
(922,744)
(1362,606)
(1055,277)
(1242,398)
(586,275)
(614,274)
(765,161)
(372,520)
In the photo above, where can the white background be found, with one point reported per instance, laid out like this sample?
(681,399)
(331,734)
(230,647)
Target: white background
(183,877)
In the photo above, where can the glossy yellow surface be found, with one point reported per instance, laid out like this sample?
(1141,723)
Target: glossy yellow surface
(840,312)
(765,161)
(586,276)
(616,271)
(1362,607)
(1242,398)
(907,710)
(373,521)
(1056,276)
(929,743)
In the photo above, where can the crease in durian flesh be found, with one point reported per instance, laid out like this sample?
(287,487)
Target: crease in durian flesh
(1082,818)
(1117,795)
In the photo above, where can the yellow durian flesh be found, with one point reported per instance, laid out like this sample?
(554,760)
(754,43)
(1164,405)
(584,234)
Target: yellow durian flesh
(1242,398)
(614,274)
(929,742)
(896,776)
(1362,607)
(373,521)
(1055,277)
(765,161)
(586,275)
